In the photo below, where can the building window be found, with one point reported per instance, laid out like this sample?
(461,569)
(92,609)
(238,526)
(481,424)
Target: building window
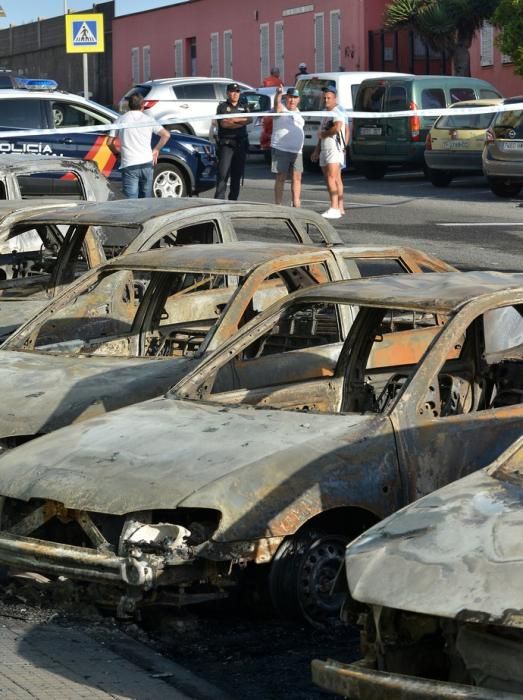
(319,43)
(227,54)
(335,18)
(279,48)
(190,55)
(135,65)
(178,57)
(505,58)
(146,52)
(486,42)
(264,51)
(215,54)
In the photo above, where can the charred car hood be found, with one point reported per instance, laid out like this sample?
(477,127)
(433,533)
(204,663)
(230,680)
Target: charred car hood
(166,452)
(455,553)
(46,392)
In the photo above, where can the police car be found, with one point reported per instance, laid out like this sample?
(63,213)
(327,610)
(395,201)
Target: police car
(186,165)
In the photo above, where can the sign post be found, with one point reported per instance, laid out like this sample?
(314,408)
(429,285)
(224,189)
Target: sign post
(84,34)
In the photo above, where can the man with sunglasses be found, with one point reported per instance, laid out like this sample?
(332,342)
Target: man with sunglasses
(232,143)
(286,144)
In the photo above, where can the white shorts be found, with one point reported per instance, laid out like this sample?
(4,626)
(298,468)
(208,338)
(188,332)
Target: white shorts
(331,155)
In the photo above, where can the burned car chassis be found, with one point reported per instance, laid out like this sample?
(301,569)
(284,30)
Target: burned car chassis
(172,499)
(148,557)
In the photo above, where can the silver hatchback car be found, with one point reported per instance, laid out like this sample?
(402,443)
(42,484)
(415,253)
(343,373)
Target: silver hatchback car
(185,100)
(503,152)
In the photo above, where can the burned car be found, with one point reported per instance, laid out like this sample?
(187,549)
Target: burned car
(46,250)
(175,500)
(27,177)
(443,581)
(130,329)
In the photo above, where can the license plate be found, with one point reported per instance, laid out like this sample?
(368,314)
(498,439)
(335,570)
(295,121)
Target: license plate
(513,146)
(370,131)
(456,144)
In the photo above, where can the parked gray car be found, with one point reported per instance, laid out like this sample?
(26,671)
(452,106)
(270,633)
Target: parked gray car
(503,152)
(182,101)
(175,500)
(443,581)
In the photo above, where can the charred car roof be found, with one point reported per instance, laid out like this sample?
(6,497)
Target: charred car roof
(423,291)
(125,212)
(228,258)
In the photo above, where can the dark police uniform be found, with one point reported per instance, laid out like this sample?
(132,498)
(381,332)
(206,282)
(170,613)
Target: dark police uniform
(232,145)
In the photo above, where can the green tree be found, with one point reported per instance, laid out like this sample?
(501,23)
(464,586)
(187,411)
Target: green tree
(509,18)
(444,25)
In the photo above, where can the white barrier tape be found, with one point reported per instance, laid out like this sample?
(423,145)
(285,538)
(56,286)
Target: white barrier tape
(351,114)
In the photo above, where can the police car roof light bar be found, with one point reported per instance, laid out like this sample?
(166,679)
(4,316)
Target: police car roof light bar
(36,83)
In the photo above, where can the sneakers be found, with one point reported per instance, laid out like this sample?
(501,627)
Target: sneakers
(332,214)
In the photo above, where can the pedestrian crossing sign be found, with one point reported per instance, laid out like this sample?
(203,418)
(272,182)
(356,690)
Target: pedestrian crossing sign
(84,33)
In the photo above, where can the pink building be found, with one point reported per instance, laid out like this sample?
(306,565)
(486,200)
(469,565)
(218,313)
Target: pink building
(487,62)
(242,39)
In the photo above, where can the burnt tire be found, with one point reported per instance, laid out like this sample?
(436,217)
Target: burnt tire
(440,178)
(169,181)
(505,189)
(302,576)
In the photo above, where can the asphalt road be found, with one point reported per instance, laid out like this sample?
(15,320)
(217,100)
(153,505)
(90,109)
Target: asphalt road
(464,224)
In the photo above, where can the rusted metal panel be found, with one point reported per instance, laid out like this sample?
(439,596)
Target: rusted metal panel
(359,683)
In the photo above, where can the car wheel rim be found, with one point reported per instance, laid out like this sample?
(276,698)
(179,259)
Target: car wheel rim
(168,184)
(318,571)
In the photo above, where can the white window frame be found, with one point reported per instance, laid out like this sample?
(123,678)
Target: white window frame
(227,54)
(146,58)
(319,46)
(335,39)
(486,44)
(264,51)
(178,58)
(279,48)
(135,65)
(215,54)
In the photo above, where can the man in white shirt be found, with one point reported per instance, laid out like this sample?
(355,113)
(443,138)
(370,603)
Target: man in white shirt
(331,151)
(137,158)
(287,144)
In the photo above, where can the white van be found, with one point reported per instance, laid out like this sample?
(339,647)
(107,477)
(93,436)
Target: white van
(310,87)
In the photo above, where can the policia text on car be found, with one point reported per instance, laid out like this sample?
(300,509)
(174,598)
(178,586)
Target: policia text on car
(232,143)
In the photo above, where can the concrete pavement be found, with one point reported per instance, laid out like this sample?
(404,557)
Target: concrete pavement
(45,661)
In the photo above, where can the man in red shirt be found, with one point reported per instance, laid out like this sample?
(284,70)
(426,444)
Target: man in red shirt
(273,80)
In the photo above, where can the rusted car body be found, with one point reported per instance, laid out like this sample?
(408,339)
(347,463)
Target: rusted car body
(25,176)
(443,581)
(96,231)
(173,499)
(109,340)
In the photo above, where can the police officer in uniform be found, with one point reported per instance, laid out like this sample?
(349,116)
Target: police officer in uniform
(232,143)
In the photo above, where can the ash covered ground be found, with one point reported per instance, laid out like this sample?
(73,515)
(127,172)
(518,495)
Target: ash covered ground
(246,653)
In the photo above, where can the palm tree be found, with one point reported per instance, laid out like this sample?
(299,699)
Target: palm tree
(444,25)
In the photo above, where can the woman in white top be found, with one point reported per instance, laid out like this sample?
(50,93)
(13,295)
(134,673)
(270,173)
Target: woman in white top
(330,151)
